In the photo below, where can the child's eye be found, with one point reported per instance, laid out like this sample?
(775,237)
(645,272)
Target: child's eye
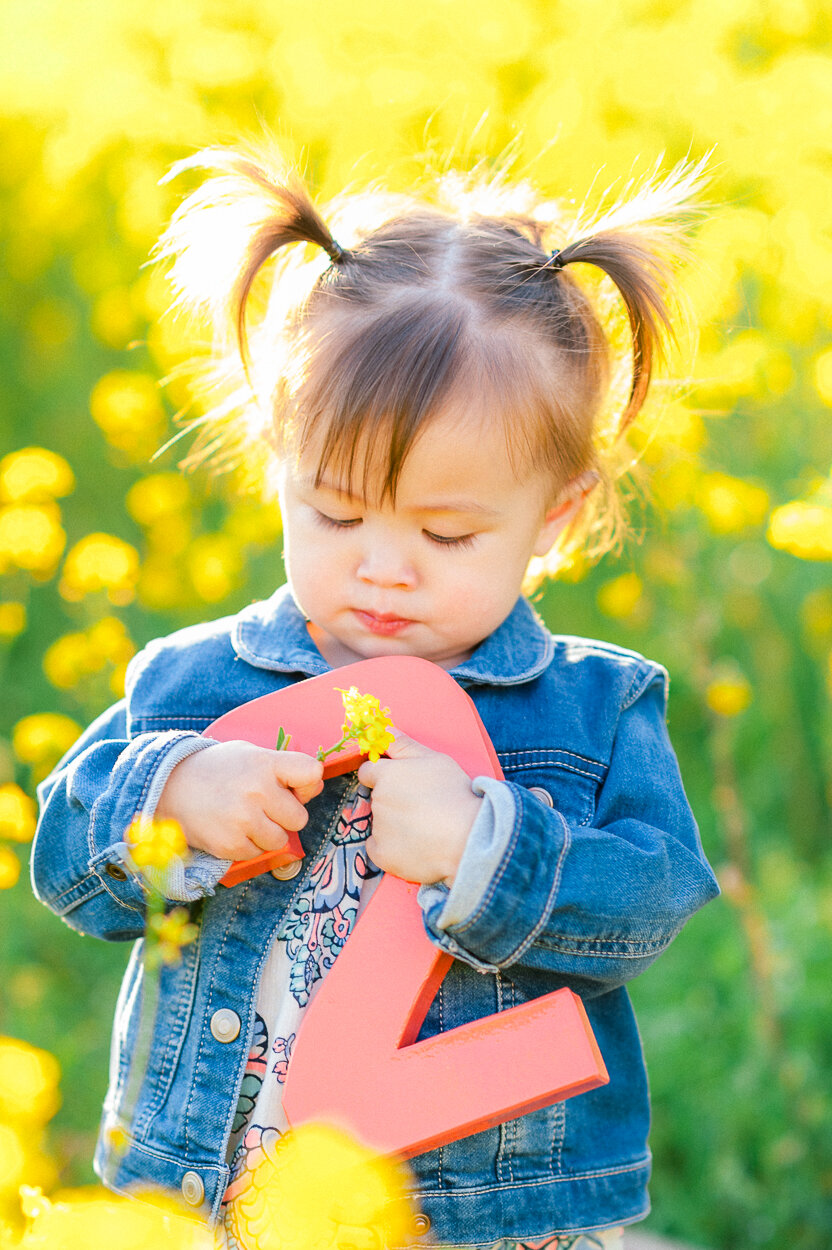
(331,522)
(443,540)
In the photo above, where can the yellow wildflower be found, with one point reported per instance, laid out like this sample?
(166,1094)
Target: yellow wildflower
(9,868)
(622,596)
(44,737)
(12,618)
(155,843)
(100,562)
(729,692)
(322,1188)
(28,1082)
(31,537)
(730,503)
(34,473)
(803,529)
(17,814)
(127,408)
(169,932)
(366,721)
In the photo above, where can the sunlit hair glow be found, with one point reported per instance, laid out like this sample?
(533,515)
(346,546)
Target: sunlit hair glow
(400,309)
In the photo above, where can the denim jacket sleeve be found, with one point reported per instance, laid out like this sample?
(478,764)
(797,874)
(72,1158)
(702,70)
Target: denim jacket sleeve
(81,866)
(591,905)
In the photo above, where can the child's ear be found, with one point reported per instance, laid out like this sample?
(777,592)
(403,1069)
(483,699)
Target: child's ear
(570,501)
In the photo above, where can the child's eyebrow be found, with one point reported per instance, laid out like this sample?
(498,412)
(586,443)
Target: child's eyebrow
(457,506)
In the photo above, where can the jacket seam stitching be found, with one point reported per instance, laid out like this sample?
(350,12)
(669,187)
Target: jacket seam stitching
(534,1182)
(549,751)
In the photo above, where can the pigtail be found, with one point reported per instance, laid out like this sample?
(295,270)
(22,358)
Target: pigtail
(221,235)
(638,243)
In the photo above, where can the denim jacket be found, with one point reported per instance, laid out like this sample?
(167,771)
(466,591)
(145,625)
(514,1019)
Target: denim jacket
(587,866)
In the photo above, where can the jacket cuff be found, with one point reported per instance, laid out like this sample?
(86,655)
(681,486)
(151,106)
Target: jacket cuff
(487,842)
(526,857)
(189,877)
(110,863)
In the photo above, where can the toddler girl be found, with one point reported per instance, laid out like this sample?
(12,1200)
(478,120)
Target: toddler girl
(434,385)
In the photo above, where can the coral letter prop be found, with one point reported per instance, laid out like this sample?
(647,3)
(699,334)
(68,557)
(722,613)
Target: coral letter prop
(418,1095)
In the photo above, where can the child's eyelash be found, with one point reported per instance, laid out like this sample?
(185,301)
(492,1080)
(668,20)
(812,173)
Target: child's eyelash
(464,540)
(333,522)
(441,540)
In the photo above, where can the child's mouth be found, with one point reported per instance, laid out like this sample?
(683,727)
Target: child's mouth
(382,623)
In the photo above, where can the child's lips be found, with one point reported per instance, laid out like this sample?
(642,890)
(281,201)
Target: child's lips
(382,622)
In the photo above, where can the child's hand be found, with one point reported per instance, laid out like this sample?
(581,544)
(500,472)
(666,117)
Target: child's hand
(423,810)
(236,800)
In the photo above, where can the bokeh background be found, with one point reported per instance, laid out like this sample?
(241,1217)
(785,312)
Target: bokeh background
(726,581)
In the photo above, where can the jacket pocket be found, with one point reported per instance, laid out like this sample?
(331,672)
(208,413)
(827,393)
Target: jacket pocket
(561,779)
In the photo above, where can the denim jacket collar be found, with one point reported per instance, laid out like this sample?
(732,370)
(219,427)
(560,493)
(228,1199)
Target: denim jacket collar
(272,634)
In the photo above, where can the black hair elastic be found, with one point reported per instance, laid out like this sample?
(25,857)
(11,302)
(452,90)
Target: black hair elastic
(336,253)
(554,262)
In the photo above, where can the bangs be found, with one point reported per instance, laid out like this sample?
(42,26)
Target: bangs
(373,383)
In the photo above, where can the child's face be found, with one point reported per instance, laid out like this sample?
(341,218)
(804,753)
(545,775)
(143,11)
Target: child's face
(431,576)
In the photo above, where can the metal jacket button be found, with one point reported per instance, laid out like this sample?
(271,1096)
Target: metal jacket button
(286,871)
(421,1225)
(116,872)
(193,1190)
(543,795)
(225,1025)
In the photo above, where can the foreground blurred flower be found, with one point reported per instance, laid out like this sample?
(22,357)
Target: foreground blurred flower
(96,1219)
(100,562)
(156,843)
(169,932)
(318,1189)
(28,1082)
(35,474)
(802,529)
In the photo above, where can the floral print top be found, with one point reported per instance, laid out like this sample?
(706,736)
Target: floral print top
(340,884)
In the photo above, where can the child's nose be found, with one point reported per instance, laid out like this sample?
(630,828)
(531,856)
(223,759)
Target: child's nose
(386,564)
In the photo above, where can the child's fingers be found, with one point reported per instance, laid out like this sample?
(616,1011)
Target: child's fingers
(305,793)
(295,769)
(267,835)
(405,748)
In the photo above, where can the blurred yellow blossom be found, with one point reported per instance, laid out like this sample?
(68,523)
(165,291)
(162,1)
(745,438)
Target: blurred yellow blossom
(215,564)
(100,562)
(12,1158)
(127,408)
(155,843)
(76,655)
(31,537)
(114,319)
(9,868)
(823,376)
(621,597)
(816,612)
(12,618)
(44,737)
(28,1082)
(171,930)
(90,1218)
(34,474)
(321,1189)
(729,691)
(803,529)
(730,503)
(157,497)
(17,814)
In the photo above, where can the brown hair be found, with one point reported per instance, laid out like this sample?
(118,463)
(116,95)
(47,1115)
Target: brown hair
(419,305)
